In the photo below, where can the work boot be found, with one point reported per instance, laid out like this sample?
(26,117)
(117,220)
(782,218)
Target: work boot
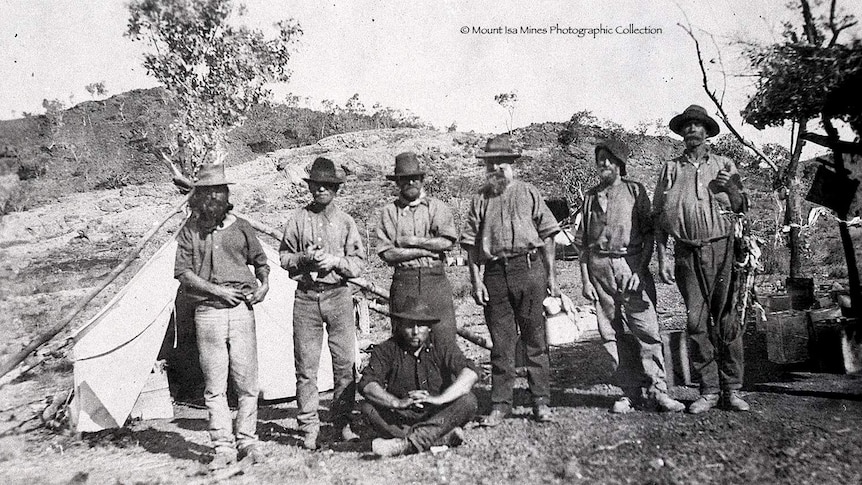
(390,447)
(666,404)
(703,404)
(622,405)
(542,413)
(347,434)
(223,457)
(495,418)
(252,452)
(309,441)
(733,402)
(451,439)
(455,437)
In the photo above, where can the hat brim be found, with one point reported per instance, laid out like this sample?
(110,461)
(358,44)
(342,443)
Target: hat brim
(677,122)
(498,155)
(405,175)
(212,183)
(324,180)
(413,318)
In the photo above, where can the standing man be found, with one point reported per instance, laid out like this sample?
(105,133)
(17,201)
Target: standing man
(698,200)
(417,391)
(413,233)
(510,231)
(214,251)
(321,249)
(616,248)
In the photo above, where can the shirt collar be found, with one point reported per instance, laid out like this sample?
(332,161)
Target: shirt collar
(229,219)
(707,157)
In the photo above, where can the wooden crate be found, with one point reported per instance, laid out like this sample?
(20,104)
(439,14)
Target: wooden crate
(787,337)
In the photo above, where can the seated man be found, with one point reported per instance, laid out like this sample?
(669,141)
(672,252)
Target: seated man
(417,393)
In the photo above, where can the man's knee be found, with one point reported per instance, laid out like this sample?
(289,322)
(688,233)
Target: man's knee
(367,409)
(468,402)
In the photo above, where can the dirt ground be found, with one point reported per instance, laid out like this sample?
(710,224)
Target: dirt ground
(52,256)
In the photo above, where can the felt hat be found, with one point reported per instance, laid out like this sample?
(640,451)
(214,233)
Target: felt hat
(210,175)
(406,165)
(414,311)
(498,147)
(697,113)
(323,171)
(619,152)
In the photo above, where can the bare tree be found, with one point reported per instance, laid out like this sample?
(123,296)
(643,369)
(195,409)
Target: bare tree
(509,102)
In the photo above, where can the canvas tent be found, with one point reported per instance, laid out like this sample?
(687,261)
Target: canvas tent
(114,353)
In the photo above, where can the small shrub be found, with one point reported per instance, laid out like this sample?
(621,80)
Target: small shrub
(32,168)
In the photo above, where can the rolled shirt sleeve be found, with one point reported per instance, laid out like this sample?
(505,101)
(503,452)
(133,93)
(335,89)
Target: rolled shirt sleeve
(353,261)
(184,260)
(290,250)
(386,226)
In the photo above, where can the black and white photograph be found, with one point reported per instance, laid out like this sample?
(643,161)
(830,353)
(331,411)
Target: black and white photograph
(431,242)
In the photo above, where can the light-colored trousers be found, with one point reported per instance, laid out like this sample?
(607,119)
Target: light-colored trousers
(228,349)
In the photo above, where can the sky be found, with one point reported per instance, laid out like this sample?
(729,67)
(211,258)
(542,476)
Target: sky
(442,60)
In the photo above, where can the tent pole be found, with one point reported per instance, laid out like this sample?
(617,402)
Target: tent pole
(16,359)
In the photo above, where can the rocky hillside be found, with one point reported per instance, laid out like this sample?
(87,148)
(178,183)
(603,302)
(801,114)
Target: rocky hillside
(111,143)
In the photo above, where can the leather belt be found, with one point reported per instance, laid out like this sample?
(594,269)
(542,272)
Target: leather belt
(528,257)
(319,286)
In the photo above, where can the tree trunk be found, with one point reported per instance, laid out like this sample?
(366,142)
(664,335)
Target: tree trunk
(793,203)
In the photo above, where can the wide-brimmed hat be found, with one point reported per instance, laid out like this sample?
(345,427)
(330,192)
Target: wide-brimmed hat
(210,175)
(414,311)
(323,171)
(498,147)
(406,165)
(619,152)
(694,112)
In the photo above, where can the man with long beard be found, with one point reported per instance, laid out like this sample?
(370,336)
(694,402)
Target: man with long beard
(214,251)
(698,200)
(510,231)
(413,233)
(321,249)
(616,246)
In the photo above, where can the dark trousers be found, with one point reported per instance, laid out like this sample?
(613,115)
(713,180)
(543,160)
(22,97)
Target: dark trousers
(313,312)
(423,428)
(516,289)
(431,286)
(707,283)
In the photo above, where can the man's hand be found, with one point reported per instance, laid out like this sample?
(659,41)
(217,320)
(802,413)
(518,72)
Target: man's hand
(421,397)
(590,292)
(403,403)
(722,178)
(327,262)
(632,283)
(665,271)
(258,295)
(231,296)
(480,293)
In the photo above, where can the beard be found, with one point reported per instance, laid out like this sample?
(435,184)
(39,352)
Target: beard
(693,139)
(496,183)
(212,212)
